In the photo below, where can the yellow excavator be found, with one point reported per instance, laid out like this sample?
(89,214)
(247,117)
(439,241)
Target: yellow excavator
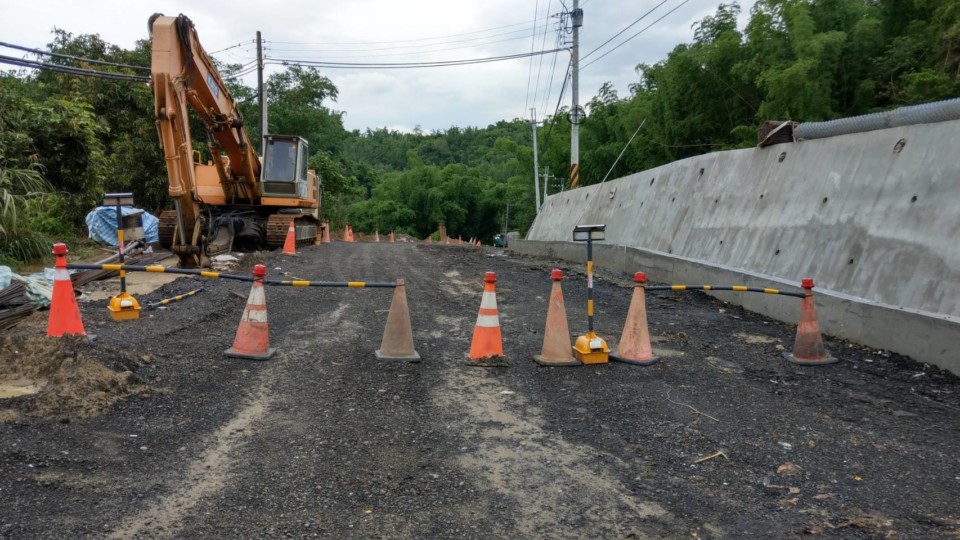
(235,200)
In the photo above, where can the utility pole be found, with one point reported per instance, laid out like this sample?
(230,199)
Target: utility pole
(547,177)
(536,164)
(576,19)
(260,97)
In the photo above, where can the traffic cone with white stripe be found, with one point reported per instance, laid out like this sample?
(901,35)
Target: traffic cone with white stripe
(376,235)
(64,312)
(634,347)
(290,244)
(486,350)
(253,335)
(397,341)
(326,232)
(556,349)
(808,349)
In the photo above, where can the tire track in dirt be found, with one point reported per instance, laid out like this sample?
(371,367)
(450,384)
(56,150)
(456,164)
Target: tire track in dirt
(209,474)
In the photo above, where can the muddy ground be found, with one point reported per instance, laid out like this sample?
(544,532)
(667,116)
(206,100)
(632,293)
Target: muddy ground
(325,441)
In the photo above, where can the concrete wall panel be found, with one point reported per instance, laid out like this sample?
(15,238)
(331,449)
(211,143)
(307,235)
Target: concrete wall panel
(873,217)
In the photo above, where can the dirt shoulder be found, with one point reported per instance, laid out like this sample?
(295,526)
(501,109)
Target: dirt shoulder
(324,440)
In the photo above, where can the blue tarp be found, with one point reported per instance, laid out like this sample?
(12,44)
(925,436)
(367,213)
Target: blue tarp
(102,224)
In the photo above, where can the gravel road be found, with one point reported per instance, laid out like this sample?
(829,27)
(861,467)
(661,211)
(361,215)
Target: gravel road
(325,441)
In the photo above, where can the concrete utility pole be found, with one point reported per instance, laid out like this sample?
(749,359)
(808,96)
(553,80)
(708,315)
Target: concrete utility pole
(536,164)
(576,19)
(547,177)
(260,96)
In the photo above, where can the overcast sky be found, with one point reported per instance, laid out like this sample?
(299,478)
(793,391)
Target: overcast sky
(382,31)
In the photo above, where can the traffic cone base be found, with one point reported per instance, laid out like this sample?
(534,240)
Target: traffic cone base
(824,360)
(397,343)
(556,350)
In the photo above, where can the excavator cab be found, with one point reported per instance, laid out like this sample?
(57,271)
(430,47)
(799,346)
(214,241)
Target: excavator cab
(284,171)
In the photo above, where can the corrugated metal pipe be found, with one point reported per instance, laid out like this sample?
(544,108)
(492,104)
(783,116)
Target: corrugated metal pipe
(939,111)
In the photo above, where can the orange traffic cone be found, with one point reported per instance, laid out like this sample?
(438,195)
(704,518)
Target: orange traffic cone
(808,349)
(253,336)
(290,244)
(478,243)
(448,241)
(391,237)
(634,347)
(397,341)
(376,235)
(326,232)
(64,312)
(346,233)
(556,349)
(487,347)
(459,240)
(430,239)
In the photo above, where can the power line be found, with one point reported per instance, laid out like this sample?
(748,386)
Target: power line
(553,71)
(536,29)
(234,46)
(563,87)
(635,35)
(397,54)
(69,57)
(533,44)
(615,36)
(71,70)
(404,40)
(405,65)
(543,45)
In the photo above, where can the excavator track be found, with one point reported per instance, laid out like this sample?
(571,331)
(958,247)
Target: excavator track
(167,227)
(307,228)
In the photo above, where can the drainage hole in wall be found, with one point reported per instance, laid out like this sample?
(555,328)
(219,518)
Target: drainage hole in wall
(783,156)
(721,242)
(651,180)
(641,204)
(913,199)
(672,199)
(824,200)
(701,171)
(850,261)
(777,252)
(715,201)
(761,195)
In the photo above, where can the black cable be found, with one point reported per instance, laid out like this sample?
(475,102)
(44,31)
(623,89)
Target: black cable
(68,57)
(71,70)
(323,56)
(406,40)
(635,35)
(546,142)
(615,36)
(405,65)
(536,28)
(533,43)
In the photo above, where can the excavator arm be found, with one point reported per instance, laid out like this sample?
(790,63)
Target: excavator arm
(182,76)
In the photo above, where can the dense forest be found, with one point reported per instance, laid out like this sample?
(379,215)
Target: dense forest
(66,139)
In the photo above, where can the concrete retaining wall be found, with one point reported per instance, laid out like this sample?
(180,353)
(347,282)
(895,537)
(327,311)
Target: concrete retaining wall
(873,217)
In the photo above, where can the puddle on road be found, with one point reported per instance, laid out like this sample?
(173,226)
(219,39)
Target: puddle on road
(20,387)
(753,338)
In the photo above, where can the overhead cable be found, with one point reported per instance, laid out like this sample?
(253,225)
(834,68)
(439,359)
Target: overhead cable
(404,40)
(635,35)
(631,25)
(405,65)
(324,56)
(69,57)
(71,70)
